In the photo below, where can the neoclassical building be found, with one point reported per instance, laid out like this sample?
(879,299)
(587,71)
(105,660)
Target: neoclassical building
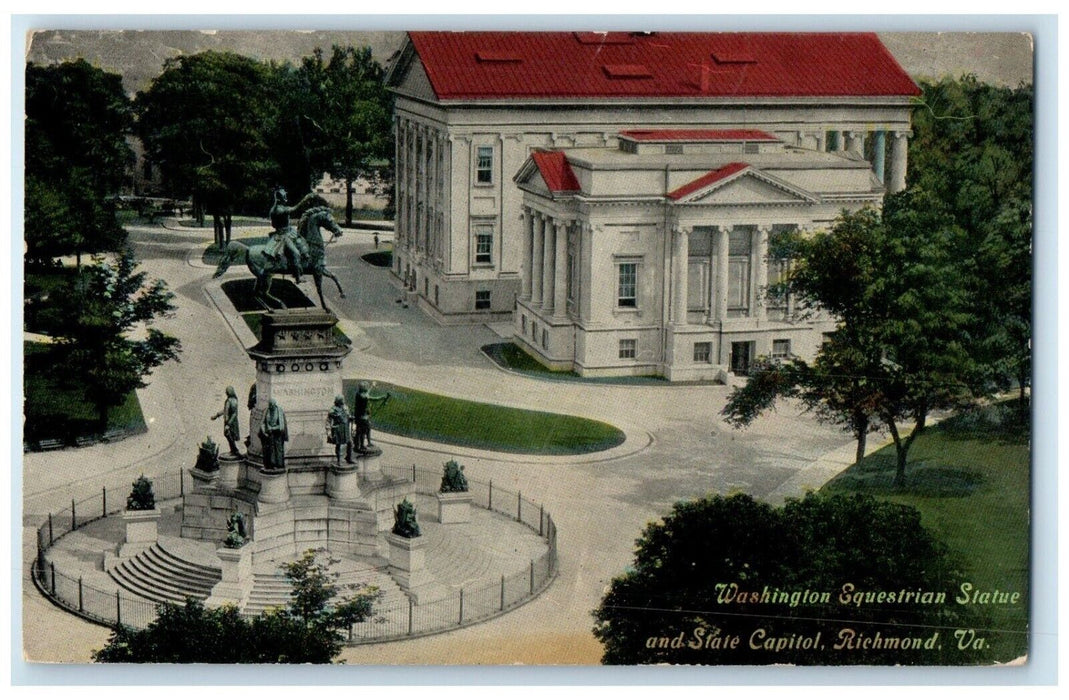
(471,108)
(653,257)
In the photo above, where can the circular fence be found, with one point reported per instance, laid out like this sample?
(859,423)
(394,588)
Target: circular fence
(471,604)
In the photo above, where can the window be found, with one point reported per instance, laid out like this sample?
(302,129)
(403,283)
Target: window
(751,148)
(426,286)
(673,149)
(545,339)
(626,293)
(534,330)
(482,299)
(436,295)
(781,349)
(702,352)
(739,248)
(627,349)
(484,244)
(484,165)
(523,324)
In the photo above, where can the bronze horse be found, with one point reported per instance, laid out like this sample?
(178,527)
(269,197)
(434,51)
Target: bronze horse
(263,266)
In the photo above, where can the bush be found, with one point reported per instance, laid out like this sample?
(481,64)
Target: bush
(723,568)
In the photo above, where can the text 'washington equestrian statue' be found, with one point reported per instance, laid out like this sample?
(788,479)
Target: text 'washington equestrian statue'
(290,250)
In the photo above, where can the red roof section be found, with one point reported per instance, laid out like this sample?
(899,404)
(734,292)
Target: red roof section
(708,179)
(621,64)
(557,174)
(698,135)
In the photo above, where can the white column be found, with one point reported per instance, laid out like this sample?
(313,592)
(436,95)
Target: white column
(722,273)
(855,143)
(528,223)
(879,148)
(560,269)
(680,259)
(896,181)
(538,229)
(760,272)
(547,264)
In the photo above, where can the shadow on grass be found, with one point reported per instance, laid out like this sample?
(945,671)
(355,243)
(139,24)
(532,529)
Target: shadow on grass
(240,294)
(380,258)
(1004,422)
(213,254)
(57,410)
(509,356)
(875,476)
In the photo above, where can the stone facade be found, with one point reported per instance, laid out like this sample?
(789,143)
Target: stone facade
(459,245)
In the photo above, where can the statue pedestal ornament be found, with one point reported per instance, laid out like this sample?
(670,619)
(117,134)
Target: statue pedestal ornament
(236,583)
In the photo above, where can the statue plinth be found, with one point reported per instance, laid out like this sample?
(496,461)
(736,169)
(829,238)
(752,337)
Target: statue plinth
(298,363)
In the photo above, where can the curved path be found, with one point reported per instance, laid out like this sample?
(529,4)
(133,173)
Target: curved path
(676,448)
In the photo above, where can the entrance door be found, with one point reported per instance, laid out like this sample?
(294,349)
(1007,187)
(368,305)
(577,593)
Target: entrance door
(741,353)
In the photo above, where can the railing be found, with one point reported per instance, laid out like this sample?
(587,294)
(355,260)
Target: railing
(471,604)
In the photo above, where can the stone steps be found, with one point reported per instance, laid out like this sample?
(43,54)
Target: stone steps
(273,590)
(162,577)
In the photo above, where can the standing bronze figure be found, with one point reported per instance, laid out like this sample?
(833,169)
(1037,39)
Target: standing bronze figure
(273,437)
(231,430)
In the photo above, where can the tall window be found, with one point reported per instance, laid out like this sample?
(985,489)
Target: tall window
(482,299)
(626,287)
(739,247)
(484,244)
(484,165)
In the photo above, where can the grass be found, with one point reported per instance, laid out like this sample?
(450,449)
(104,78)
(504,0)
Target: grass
(485,426)
(239,292)
(212,253)
(58,412)
(509,356)
(969,478)
(40,316)
(380,258)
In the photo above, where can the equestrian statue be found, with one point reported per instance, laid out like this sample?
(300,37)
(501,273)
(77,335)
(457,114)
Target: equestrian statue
(291,250)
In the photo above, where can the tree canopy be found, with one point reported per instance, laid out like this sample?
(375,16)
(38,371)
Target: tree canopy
(691,587)
(98,350)
(310,630)
(77,120)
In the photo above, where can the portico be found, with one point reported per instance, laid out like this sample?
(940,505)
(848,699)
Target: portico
(652,260)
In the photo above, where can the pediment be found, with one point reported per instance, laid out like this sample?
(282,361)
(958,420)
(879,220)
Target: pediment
(530,178)
(748,187)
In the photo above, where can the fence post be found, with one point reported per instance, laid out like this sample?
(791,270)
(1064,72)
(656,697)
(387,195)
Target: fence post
(532,577)
(51,539)
(460,618)
(519,506)
(410,616)
(182,482)
(52,567)
(541,514)
(413,473)
(118,609)
(490,498)
(502,591)
(81,606)
(74,520)
(104,502)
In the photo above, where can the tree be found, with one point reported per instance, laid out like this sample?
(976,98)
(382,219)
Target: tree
(77,120)
(680,592)
(973,149)
(310,630)
(346,119)
(96,349)
(205,122)
(902,346)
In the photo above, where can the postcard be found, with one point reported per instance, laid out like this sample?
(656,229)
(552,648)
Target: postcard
(573,347)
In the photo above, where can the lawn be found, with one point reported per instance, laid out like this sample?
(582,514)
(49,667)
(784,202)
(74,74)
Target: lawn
(509,356)
(39,285)
(484,426)
(212,254)
(380,258)
(969,478)
(57,412)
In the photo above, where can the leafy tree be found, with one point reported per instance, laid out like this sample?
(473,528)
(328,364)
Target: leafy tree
(310,630)
(205,122)
(973,149)
(77,120)
(678,584)
(96,351)
(346,119)
(902,346)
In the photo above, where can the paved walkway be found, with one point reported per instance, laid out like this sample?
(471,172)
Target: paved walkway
(677,447)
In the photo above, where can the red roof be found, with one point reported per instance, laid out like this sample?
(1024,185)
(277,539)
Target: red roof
(708,179)
(557,174)
(698,135)
(488,65)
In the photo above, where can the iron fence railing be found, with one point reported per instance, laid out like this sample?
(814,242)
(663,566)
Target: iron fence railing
(473,603)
